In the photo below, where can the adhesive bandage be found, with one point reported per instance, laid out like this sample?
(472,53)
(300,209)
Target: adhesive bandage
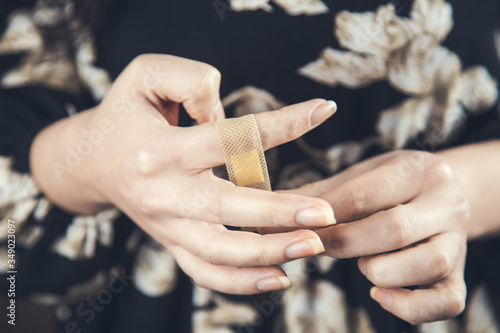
(243,153)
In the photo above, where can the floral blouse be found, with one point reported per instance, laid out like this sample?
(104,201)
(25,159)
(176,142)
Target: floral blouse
(415,74)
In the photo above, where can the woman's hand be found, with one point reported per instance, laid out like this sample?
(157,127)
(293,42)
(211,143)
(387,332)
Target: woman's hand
(134,157)
(405,214)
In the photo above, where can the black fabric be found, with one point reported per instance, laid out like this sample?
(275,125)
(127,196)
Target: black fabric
(249,48)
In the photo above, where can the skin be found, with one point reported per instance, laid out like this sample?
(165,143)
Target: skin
(406,214)
(160,175)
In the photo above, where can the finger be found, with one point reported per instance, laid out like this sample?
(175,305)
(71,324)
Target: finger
(424,263)
(229,279)
(275,127)
(326,185)
(219,246)
(390,230)
(180,80)
(214,200)
(441,301)
(344,189)
(396,181)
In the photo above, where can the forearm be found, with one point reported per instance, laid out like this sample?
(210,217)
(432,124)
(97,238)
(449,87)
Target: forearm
(477,169)
(61,160)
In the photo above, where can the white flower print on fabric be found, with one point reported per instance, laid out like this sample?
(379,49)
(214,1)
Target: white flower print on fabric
(215,314)
(447,326)
(116,277)
(332,159)
(479,315)
(308,304)
(407,53)
(295,175)
(52,64)
(83,234)
(292,7)
(251,100)
(155,270)
(18,197)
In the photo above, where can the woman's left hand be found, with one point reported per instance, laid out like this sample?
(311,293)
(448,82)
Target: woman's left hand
(404,214)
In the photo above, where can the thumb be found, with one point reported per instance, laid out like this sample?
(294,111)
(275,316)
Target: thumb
(165,78)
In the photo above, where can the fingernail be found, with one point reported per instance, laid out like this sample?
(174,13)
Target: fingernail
(323,112)
(305,248)
(316,216)
(273,283)
(382,296)
(362,265)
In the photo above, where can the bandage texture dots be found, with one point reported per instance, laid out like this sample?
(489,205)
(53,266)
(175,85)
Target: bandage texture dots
(242,146)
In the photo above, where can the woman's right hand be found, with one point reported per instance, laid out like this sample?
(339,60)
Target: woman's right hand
(130,153)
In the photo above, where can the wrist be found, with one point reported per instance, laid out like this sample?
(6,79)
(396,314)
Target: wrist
(476,170)
(63,159)
(91,151)
(460,177)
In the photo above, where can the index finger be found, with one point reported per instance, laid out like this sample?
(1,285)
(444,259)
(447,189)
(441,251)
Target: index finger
(275,128)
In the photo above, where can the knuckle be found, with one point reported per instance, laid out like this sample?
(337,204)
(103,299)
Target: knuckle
(456,304)
(291,128)
(373,273)
(441,169)
(148,161)
(219,210)
(263,256)
(144,163)
(283,125)
(461,206)
(356,197)
(399,228)
(275,217)
(140,62)
(273,130)
(441,263)
(233,284)
(338,245)
(211,78)
(259,257)
(214,253)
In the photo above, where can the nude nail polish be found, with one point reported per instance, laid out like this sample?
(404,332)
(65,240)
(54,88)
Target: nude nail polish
(323,112)
(305,248)
(273,283)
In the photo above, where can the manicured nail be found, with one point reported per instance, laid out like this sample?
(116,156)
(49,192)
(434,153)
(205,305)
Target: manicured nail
(305,248)
(362,265)
(273,283)
(324,111)
(382,296)
(316,216)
